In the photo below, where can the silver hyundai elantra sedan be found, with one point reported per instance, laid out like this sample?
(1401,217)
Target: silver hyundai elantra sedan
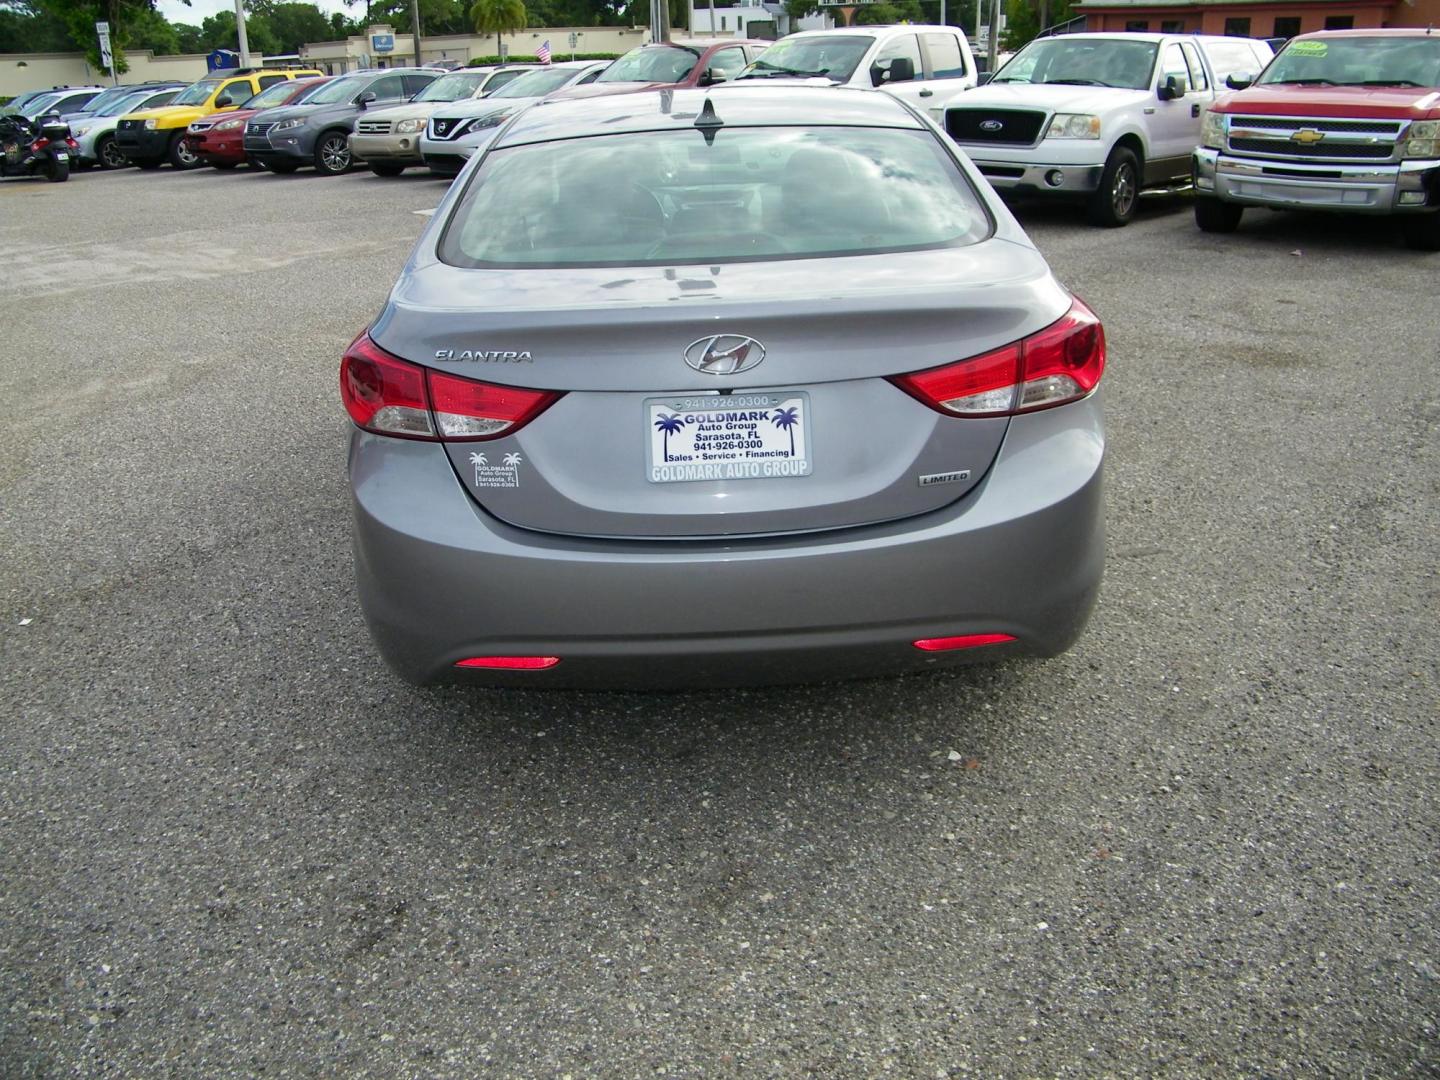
(739,385)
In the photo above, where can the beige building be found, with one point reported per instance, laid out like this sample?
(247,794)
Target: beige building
(381,46)
(20,72)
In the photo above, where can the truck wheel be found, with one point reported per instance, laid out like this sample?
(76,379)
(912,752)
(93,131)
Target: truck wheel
(386,168)
(332,153)
(1113,203)
(109,155)
(1422,232)
(181,155)
(58,172)
(1212,215)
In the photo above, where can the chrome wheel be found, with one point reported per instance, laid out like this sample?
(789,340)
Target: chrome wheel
(110,155)
(334,154)
(1122,190)
(185,155)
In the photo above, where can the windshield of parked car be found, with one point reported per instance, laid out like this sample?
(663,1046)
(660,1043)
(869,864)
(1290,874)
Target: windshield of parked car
(831,56)
(453,87)
(737,195)
(271,96)
(535,83)
(1076,61)
(196,93)
(652,64)
(336,91)
(1358,61)
(103,104)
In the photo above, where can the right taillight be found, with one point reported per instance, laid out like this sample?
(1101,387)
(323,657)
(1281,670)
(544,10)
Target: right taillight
(390,396)
(1061,363)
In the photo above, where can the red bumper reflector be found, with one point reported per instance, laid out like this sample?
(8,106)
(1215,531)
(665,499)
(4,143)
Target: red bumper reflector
(964,641)
(510,663)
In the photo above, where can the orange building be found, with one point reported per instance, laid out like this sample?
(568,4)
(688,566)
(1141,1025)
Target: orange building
(1255,18)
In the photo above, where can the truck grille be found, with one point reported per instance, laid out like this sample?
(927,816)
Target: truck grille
(1309,138)
(373,127)
(1380,152)
(1010,127)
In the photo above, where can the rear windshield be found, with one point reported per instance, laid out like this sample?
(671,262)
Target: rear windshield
(1358,61)
(652,63)
(1082,62)
(658,198)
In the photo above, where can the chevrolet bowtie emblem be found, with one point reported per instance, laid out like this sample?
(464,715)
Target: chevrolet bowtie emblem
(1307,136)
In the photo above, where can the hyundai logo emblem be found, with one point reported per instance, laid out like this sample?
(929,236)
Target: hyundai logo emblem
(991,125)
(724,354)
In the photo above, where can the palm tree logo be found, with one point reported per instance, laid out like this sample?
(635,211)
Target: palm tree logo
(513,459)
(786,420)
(667,426)
(478,460)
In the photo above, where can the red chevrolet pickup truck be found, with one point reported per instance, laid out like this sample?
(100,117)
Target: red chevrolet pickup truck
(1344,120)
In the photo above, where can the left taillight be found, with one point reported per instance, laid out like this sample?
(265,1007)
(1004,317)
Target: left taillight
(1060,363)
(390,396)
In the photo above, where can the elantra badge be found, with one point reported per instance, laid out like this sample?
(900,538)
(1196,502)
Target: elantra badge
(724,354)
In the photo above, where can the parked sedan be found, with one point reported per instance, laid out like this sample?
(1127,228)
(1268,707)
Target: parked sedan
(455,132)
(318,132)
(679,64)
(219,140)
(686,388)
(94,128)
(388,140)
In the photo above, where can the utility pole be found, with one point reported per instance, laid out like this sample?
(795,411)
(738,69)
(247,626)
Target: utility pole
(415,29)
(240,31)
(994,33)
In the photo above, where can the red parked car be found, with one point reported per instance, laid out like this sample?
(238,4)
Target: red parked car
(219,139)
(681,64)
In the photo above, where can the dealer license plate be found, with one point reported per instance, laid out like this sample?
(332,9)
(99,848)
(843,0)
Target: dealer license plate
(728,437)
(62,156)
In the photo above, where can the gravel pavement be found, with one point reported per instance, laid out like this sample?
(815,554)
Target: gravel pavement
(231,844)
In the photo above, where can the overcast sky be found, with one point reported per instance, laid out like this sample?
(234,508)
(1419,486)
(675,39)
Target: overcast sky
(195,14)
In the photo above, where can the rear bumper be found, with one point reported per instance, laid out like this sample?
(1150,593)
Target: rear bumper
(388,148)
(142,145)
(439,579)
(1407,188)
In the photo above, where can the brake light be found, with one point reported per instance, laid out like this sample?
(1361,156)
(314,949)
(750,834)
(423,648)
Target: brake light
(510,663)
(1061,363)
(39,144)
(390,396)
(964,641)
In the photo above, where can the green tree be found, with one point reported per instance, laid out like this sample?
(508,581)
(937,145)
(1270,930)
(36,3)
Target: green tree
(498,17)
(79,17)
(25,27)
(292,25)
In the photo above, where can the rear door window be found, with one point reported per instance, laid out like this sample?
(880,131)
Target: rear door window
(271,80)
(946,59)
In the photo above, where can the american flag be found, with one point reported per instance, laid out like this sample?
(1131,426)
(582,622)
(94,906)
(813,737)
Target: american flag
(543,53)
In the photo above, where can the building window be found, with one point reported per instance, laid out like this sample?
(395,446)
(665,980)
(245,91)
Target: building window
(1137,26)
(1288,26)
(1172,26)
(1237,27)
(1339,22)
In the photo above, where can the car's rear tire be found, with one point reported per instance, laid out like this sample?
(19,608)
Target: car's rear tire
(181,155)
(1422,232)
(109,155)
(1212,215)
(58,172)
(1114,201)
(332,153)
(386,168)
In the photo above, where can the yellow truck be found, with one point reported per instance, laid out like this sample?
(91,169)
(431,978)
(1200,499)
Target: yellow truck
(154,136)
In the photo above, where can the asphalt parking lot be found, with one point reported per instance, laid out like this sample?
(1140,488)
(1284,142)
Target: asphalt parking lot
(1204,842)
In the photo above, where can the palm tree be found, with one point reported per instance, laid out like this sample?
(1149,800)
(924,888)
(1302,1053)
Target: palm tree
(669,425)
(499,17)
(478,460)
(512,459)
(786,420)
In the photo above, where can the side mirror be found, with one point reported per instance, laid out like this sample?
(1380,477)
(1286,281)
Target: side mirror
(224,101)
(984,77)
(1173,87)
(1240,80)
(709,78)
(366,98)
(902,69)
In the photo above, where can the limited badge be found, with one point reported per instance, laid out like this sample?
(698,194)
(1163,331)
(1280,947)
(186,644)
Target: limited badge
(944,477)
(504,473)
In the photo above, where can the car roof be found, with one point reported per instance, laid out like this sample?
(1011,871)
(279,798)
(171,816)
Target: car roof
(1389,31)
(883,30)
(735,106)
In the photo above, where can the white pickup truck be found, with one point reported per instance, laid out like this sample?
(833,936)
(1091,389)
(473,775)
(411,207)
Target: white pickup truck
(924,65)
(1097,116)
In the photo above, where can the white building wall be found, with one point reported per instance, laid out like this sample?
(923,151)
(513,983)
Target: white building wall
(20,72)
